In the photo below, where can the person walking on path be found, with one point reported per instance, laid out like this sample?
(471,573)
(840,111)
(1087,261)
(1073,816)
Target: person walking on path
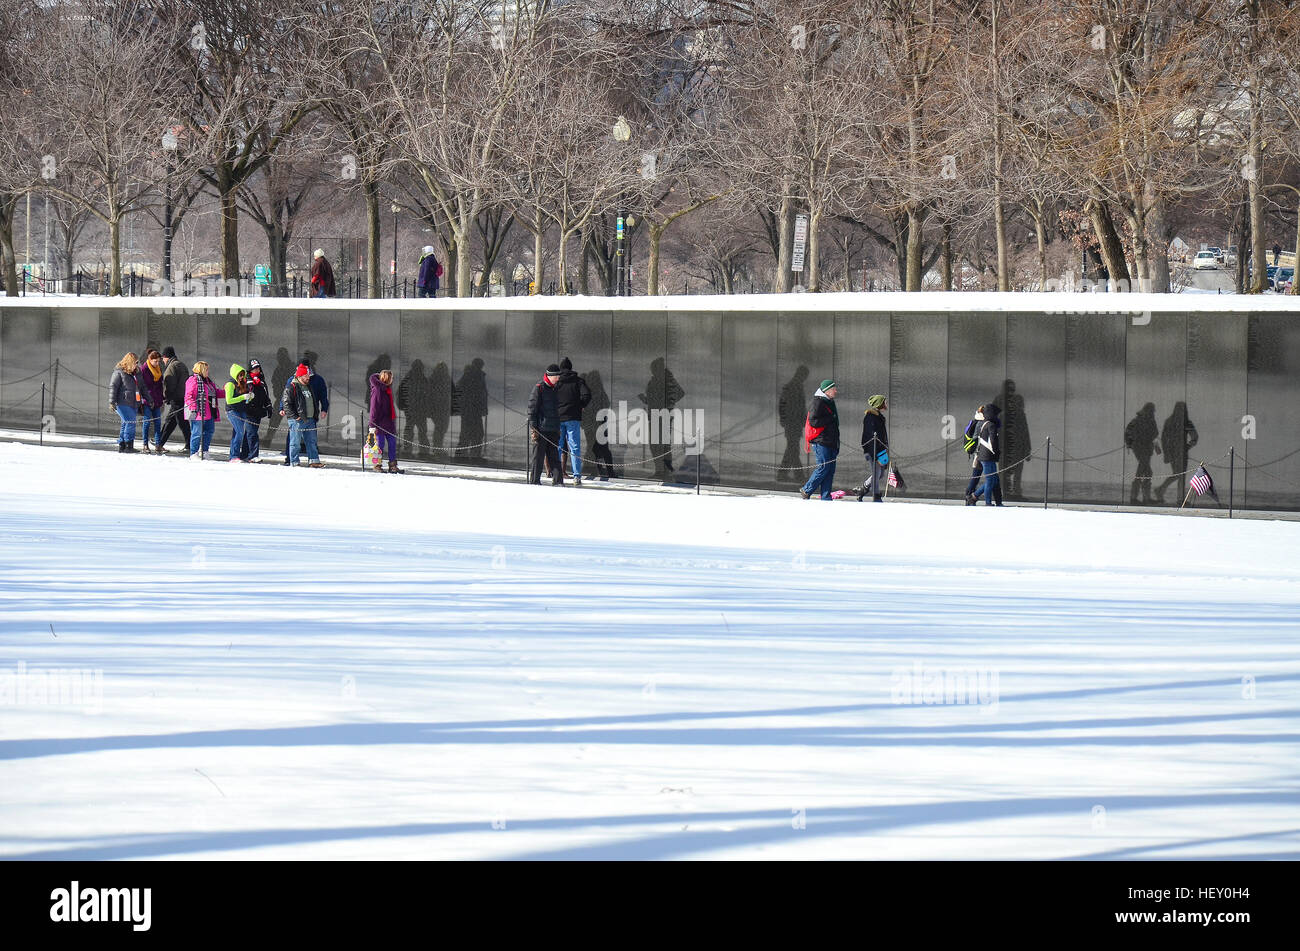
(319,390)
(237,401)
(302,410)
(322,275)
(383,416)
(875,446)
(174,377)
(150,377)
(426,284)
(970,437)
(258,409)
(544,428)
(572,396)
(989,453)
(201,396)
(822,433)
(124,399)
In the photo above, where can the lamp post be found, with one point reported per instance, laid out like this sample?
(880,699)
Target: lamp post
(622,132)
(169,146)
(396,208)
(1084,227)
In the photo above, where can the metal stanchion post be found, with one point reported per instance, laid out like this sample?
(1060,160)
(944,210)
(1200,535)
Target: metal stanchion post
(1047,471)
(1232,473)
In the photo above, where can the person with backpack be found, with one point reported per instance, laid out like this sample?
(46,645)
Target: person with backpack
(201,396)
(970,440)
(174,378)
(544,428)
(383,417)
(258,409)
(572,396)
(124,399)
(426,284)
(875,447)
(150,381)
(302,409)
(822,434)
(988,450)
(237,398)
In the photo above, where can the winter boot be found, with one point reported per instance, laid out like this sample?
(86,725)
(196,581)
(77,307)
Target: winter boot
(577,482)
(392,467)
(970,498)
(130,446)
(121,446)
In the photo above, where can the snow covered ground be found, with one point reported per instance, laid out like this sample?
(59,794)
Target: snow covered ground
(288,663)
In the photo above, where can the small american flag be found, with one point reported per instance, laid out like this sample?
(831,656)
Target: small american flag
(893,477)
(1202,483)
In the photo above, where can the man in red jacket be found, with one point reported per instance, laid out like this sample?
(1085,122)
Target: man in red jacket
(322,275)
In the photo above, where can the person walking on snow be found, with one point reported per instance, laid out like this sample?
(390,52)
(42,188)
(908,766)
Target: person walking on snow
(201,396)
(237,401)
(322,275)
(970,437)
(822,433)
(544,428)
(426,284)
(875,445)
(302,410)
(572,396)
(124,399)
(174,378)
(150,376)
(383,416)
(989,452)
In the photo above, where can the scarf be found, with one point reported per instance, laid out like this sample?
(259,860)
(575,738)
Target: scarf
(157,374)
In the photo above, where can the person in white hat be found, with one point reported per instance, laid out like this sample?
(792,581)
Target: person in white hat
(426,284)
(322,275)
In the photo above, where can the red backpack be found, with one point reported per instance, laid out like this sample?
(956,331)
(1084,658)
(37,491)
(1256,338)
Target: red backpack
(810,432)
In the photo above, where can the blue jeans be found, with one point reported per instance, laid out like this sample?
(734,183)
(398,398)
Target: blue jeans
(990,486)
(238,423)
(127,431)
(571,437)
(302,432)
(252,447)
(201,434)
(824,473)
(150,416)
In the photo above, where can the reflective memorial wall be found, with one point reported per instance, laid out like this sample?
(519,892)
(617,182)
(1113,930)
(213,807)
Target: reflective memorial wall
(1129,407)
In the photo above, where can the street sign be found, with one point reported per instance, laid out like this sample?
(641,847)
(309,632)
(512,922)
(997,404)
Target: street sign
(262,274)
(800,242)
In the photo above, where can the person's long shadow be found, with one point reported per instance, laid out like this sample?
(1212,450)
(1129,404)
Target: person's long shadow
(792,411)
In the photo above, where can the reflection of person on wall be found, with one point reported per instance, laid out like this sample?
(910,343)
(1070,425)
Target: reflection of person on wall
(1177,438)
(790,411)
(473,405)
(413,400)
(591,429)
(440,402)
(1140,436)
(280,378)
(662,392)
(1016,449)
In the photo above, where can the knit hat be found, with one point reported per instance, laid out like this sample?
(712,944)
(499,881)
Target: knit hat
(826,385)
(303,370)
(255,364)
(428,249)
(169,353)
(552,370)
(318,253)
(876,401)
(566,364)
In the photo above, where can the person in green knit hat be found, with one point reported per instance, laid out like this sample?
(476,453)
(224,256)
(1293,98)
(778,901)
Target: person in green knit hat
(822,433)
(875,446)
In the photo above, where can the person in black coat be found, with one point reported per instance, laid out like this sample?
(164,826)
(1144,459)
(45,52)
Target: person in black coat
(875,447)
(823,432)
(544,428)
(257,408)
(970,437)
(174,377)
(988,451)
(571,398)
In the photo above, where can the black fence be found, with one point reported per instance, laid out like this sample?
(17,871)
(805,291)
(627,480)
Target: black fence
(1131,407)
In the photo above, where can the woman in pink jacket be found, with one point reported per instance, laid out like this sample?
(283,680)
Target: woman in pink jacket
(201,396)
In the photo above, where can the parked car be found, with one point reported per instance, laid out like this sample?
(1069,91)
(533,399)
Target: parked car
(1280,278)
(1204,260)
(1217,252)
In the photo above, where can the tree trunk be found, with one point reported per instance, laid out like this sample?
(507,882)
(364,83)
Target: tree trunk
(1259,272)
(229,230)
(946,257)
(562,262)
(276,248)
(1295,273)
(539,265)
(8,259)
(814,252)
(1158,279)
(1040,236)
(374,285)
(655,233)
(584,275)
(114,253)
(1112,249)
(784,278)
(915,217)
